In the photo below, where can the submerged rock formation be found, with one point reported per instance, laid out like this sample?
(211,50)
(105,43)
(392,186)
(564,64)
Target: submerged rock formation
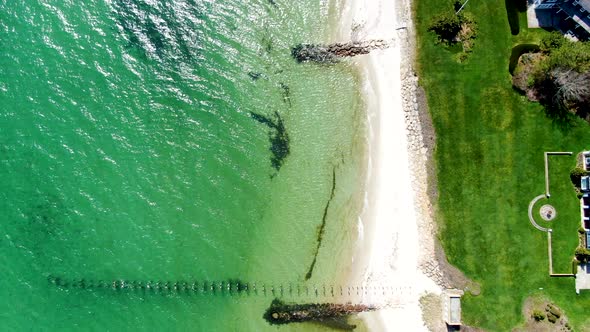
(278,137)
(333,52)
(320,234)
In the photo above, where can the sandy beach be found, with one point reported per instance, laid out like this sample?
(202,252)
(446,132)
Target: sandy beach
(396,231)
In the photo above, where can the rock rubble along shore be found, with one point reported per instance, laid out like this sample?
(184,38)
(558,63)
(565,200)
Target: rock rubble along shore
(332,52)
(419,153)
(420,148)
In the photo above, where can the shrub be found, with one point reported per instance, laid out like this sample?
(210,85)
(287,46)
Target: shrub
(553,41)
(570,87)
(513,16)
(551,309)
(582,254)
(462,57)
(468,31)
(447,26)
(521,5)
(561,77)
(538,315)
(565,68)
(570,55)
(581,230)
(575,176)
(578,172)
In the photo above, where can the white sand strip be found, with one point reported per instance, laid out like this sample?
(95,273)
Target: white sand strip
(393,242)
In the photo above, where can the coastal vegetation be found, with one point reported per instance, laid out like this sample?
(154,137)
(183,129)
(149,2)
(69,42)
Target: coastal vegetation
(494,138)
(278,137)
(321,228)
(557,74)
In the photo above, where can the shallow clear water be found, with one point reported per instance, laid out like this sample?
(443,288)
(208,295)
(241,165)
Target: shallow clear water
(130,149)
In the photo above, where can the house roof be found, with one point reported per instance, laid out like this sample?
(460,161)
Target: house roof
(581,22)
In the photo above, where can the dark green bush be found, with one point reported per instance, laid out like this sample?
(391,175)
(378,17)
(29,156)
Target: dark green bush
(521,5)
(578,172)
(447,26)
(552,41)
(538,315)
(571,55)
(553,310)
(513,17)
(582,254)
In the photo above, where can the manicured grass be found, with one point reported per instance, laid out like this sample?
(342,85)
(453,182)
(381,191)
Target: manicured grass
(527,35)
(489,156)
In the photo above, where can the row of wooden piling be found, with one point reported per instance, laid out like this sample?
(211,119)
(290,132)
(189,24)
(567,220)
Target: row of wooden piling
(228,287)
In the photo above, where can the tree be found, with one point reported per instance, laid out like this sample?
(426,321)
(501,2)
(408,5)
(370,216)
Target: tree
(582,254)
(562,76)
(571,88)
(552,42)
(447,26)
(571,55)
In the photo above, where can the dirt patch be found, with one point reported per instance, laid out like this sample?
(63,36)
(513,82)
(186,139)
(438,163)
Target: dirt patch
(431,306)
(429,141)
(542,316)
(432,314)
(452,276)
(471,329)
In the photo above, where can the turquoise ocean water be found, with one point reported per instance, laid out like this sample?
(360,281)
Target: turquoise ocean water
(170,141)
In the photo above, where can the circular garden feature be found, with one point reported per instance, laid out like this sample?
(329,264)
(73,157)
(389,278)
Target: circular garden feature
(548,212)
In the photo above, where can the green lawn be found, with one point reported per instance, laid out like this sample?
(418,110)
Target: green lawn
(489,156)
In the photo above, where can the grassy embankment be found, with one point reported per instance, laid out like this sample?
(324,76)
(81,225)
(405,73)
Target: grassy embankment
(489,155)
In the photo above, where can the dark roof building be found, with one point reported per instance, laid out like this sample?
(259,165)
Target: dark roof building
(572,17)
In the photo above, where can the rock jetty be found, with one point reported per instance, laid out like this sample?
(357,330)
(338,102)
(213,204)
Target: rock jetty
(333,52)
(331,314)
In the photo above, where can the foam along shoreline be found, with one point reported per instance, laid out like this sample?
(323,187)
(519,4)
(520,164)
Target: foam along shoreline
(395,227)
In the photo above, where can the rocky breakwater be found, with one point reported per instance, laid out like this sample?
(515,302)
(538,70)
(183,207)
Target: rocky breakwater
(334,52)
(421,142)
(333,315)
